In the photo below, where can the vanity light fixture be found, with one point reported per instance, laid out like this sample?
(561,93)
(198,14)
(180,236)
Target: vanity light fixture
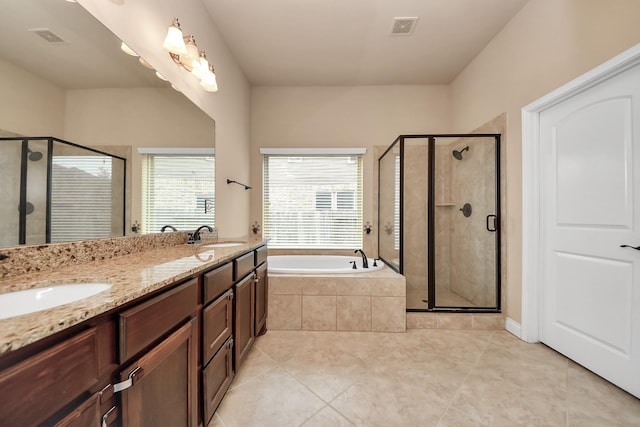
(126,49)
(184,52)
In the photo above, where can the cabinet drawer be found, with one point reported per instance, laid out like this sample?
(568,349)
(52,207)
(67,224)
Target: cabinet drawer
(216,378)
(33,390)
(261,255)
(217,324)
(243,265)
(217,281)
(146,322)
(86,414)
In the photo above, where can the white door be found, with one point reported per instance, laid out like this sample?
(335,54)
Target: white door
(590,206)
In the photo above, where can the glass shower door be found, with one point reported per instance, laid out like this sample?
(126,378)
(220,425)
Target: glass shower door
(465,206)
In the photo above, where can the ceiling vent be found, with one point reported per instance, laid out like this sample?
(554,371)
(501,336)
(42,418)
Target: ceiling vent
(47,34)
(403,26)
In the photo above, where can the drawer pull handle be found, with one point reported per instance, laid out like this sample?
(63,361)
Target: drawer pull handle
(109,416)
(134,376)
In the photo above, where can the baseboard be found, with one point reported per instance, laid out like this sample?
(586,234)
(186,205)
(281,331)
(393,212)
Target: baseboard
(513,327)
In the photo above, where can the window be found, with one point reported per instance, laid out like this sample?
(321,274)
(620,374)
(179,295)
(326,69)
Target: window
(178,190)
(313,201)
(81,198)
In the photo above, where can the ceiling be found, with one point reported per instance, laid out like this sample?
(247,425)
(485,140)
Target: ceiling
(89,57)
(348,42)
(276,42)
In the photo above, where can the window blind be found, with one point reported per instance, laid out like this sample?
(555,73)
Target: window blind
(81,198)
(312,201)
(178,190)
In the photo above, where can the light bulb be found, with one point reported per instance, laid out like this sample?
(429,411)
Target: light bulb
(192,54)
(201,66)
(209,82)
(160,76)
(126,49)
(173,42)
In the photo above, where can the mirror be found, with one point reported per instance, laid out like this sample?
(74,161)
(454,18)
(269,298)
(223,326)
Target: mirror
(62,192)
(65,76)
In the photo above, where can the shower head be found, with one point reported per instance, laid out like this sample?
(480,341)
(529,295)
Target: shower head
(34,156)
(458,154)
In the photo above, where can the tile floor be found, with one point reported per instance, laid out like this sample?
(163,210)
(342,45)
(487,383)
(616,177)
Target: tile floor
(424,377)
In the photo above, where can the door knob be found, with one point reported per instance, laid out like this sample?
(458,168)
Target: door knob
(637,248)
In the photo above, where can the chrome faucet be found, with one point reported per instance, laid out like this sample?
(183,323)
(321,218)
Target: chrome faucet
(365,263)
(195,237)
(164,228)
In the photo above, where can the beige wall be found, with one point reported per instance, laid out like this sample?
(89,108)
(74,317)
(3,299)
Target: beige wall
(142,117)
(341,116)
(548,43)
(30,105)
(143,24)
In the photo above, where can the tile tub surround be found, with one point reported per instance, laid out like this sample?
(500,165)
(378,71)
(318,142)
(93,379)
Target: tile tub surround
(131,276)
(479,321)
(338,302)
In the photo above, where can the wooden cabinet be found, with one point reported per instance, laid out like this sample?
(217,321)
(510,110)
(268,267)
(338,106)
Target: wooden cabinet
(145,323)
(54,381)
(243,319)
(217,281)
(217,342)
(163,383)
(159,387)
(216,379)
(261,299)
(217,325)
(167,360)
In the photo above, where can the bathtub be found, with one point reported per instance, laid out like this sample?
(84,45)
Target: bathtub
(320,293)
(319,264)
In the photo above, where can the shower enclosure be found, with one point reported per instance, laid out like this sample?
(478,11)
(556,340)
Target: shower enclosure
(439,217)
(57,191)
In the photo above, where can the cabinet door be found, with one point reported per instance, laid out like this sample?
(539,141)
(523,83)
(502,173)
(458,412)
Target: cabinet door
(164,383)
(261,291)
(244,319)
(216,379)
(217,324)
(38,387)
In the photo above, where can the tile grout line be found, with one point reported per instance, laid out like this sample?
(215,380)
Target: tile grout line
(464,380)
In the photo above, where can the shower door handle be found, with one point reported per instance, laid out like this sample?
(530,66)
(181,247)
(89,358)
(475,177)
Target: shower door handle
(493,228)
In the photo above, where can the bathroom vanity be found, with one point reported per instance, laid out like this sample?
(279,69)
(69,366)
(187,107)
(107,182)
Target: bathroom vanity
(159,352)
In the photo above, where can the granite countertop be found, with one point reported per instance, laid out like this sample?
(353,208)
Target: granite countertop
(131,276)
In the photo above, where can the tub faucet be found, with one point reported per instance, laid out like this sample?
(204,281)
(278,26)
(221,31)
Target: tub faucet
(195,237)
(365,263)
(164,228)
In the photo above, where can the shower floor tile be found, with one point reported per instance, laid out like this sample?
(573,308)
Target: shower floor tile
(424,377)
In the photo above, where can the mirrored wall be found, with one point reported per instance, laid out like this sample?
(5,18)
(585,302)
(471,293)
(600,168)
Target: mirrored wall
(57,191)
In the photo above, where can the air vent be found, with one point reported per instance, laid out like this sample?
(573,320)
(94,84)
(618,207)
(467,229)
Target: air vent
(403,26)
(47,34)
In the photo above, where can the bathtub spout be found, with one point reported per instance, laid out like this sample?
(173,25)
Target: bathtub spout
(365,263)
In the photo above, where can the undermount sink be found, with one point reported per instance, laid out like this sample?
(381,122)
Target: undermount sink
(224,245)
(38,299)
